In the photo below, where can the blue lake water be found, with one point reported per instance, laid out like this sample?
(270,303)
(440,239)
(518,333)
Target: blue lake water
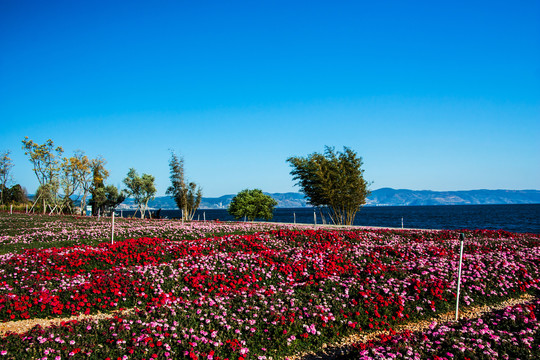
(515,218)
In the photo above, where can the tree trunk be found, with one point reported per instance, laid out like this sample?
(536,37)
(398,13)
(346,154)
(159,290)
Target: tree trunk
(83,203)
(137,209)
(144,209)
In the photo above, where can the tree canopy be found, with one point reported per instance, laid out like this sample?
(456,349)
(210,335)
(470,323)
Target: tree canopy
(16,195)
(95,170)
(47,162)
(45,158)
(84,173)
(334,180)
(252,204)
(186,195)
(6,164)
(142,189)
(106,198)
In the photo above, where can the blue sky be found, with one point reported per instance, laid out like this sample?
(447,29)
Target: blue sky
(432,95)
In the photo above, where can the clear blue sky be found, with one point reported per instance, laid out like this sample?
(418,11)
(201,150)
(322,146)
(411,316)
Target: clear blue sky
(433,95)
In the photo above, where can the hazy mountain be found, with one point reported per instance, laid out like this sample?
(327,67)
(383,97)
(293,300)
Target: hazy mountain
(392,197)
(380,197)
(285,200)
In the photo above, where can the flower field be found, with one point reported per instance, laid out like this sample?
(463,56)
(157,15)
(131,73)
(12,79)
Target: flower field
(252,291)
(52,230)
(511,333)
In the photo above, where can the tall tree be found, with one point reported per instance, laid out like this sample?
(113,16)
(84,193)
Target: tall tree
(97,190)
(69,181)
(17,194)
(148,191)
(6,164)
(45,159)
(141,188)
(106,198)
(252,204)
(186,194)
(99,173)
(114,197)
(333,180)
(84,173)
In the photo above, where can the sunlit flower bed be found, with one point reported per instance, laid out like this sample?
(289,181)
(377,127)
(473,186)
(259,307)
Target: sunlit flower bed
(270,294)
(28,229)
(512,333)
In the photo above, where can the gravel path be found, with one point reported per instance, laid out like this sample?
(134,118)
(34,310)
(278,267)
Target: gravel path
(22,326)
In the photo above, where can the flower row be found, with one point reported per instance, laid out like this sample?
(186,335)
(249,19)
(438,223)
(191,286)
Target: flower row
(512,333)
(266,294)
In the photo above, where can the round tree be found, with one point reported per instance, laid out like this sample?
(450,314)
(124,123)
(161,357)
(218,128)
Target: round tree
(332,180)
(252,204)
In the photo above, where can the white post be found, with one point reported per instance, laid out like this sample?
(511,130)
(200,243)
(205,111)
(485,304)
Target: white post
(182,216)
(26,211)
(204,216)
(402,223)
(314,218)
(294,216)
(461,238)
(112,230)
(11,209)
(98,213)
(121,213)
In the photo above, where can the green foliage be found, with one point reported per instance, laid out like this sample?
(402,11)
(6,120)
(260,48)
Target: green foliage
(252,204)
(45,158)
(16,195)
(186,194)
(142,189)
(82,167)
(69,182)
(99,197)
(106,198)
(114,197)
(334,180)
(99,173)
(98,200)
(6,165)
(45,196)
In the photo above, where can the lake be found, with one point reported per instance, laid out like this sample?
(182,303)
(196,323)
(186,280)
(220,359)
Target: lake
(515,218)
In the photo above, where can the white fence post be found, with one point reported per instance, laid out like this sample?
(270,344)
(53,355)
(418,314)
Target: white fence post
(461,238)
(112,230)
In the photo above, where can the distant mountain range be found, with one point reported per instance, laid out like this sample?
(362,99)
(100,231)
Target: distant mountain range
(404,197)
(380,197)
